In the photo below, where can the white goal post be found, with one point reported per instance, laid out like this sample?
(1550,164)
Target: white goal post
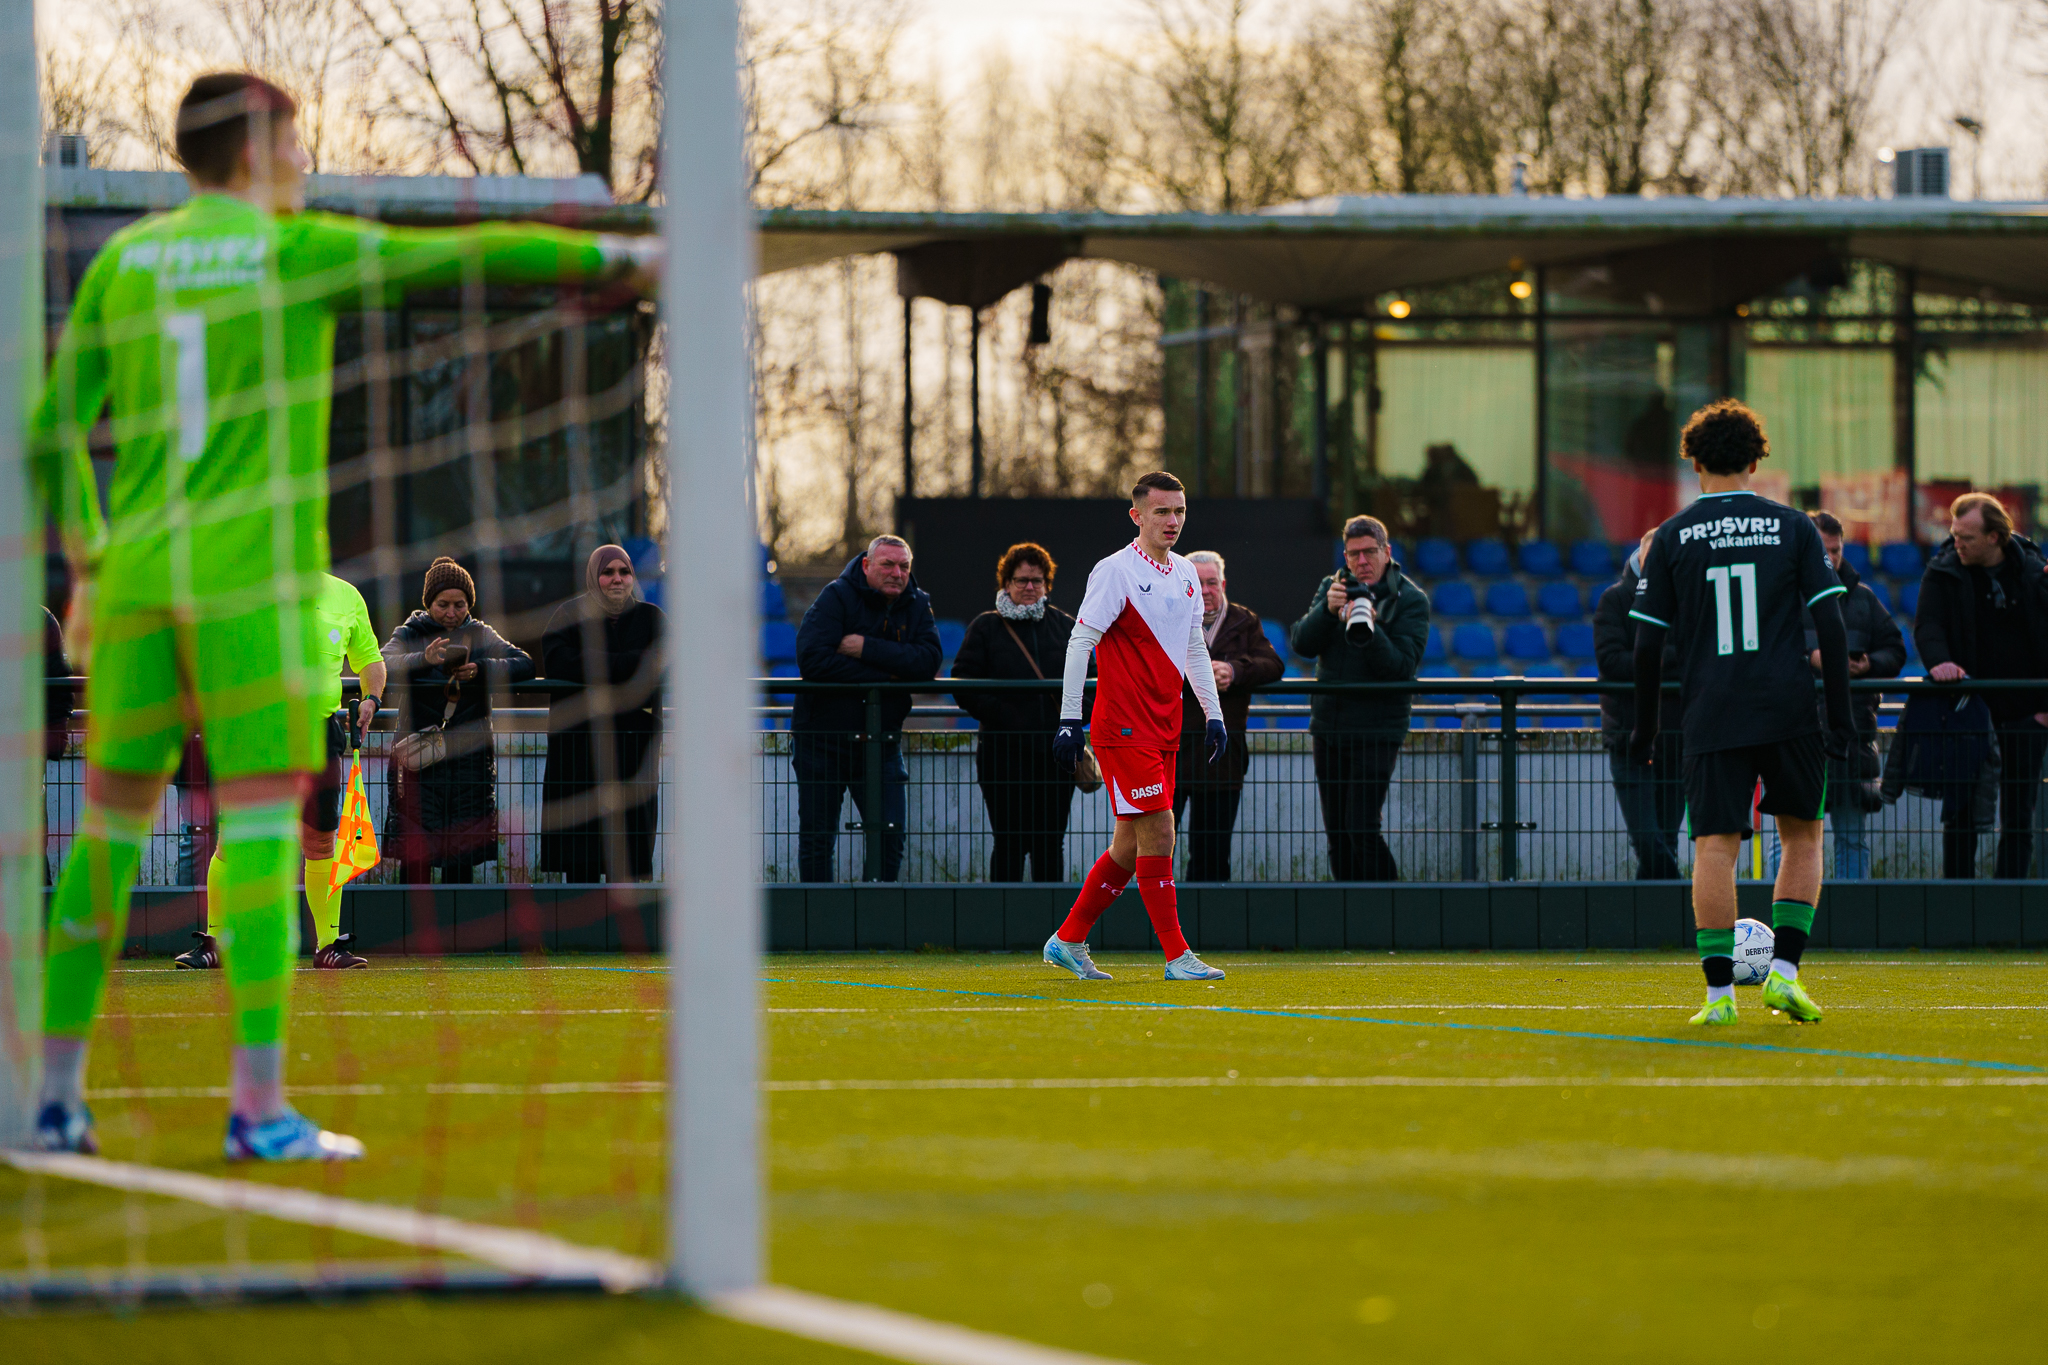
(21,577)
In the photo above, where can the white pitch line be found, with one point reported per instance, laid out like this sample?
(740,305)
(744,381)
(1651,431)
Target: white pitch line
(220,1092)
(865,1327)
(882,1332)
(1369,1082)
(515,1249)
(383,1014)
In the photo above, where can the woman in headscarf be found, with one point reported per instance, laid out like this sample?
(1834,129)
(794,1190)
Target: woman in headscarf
(599,795)
(446,814)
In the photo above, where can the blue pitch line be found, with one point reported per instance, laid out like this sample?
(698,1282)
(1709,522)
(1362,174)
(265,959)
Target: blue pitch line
(1465,1028)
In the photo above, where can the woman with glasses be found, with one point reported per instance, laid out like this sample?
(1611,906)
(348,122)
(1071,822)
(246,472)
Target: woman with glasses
(1027,793)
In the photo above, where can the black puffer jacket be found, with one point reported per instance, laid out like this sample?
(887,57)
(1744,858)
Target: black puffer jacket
(1872,631)
(1945,628)
(1614,650)
(900,641)
(1392,654)
(989,652)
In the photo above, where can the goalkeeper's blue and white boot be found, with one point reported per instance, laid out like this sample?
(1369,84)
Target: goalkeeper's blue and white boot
(291,1136)
(1074,958)
(1188,967)
(64,1128)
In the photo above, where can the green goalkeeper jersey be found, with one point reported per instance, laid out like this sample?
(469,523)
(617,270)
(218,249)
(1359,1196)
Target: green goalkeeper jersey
(209,330)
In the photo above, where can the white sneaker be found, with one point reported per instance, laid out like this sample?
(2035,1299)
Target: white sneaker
(1074,958)
(1188,967)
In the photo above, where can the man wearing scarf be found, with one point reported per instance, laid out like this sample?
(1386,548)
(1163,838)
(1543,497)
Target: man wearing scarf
(599,795)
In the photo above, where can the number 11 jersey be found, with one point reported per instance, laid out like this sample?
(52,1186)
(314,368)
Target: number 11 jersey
(1732,577)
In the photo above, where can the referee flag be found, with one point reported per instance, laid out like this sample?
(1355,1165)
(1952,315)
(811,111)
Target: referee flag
(355,844)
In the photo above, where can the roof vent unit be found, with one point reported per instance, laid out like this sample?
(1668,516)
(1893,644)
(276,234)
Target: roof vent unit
(67,149)
(1921,173)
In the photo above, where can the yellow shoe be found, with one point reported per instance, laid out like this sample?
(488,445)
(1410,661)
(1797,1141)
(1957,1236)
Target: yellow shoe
(1720,1011)
(1789,996)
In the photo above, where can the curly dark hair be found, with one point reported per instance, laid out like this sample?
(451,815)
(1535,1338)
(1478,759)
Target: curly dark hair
(1726,437)
(1029,552)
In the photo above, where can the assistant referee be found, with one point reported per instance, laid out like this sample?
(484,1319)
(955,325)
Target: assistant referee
(344,637)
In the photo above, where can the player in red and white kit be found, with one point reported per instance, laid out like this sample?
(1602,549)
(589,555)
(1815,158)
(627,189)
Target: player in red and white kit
(1142,618)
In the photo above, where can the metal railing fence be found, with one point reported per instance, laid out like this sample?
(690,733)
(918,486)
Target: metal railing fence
(1499,779)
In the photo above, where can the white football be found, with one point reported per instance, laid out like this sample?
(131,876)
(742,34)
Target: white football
(1754,944)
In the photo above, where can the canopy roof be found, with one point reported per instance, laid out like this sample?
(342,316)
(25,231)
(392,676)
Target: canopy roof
(1674,254)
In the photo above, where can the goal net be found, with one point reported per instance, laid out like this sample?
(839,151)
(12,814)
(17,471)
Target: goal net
(550,1055)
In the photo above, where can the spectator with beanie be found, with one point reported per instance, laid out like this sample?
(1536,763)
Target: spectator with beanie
(1242,658)
(1984,614)
(1027,793)
(1357,737)
(446,814)
(870,624)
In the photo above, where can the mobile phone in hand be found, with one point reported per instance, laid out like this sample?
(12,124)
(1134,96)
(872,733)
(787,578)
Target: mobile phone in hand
(454,657)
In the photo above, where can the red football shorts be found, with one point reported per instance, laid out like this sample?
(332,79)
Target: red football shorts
(1140,781)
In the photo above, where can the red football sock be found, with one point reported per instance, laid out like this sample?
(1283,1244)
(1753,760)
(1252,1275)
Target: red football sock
(1155,884)
(1099,889)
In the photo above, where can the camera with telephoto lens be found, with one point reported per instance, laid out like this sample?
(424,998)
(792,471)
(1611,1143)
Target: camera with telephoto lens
(1361,613)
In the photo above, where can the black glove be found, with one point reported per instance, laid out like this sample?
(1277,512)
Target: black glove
(1214,740)
(1066,745)
(1642,747)
(1837,743)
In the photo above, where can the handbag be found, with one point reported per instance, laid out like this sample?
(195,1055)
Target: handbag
(425,747)
(1087,772)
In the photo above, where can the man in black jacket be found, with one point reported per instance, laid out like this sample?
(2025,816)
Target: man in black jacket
(1242,658)
(1651,795)
(870,624)
(1357,736)
(1984,614)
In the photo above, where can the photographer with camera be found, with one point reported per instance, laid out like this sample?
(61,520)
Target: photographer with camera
(443,662)
(1367,623)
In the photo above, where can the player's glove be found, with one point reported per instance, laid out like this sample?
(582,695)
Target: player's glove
(1642,747)
(1215,739)
(1066,745)
(1837,743)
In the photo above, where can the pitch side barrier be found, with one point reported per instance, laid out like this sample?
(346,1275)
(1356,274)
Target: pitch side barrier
(1503,791)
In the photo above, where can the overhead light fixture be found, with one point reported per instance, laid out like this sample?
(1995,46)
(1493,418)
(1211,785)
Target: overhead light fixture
(1521,289)
(1886,155)
(1398,308)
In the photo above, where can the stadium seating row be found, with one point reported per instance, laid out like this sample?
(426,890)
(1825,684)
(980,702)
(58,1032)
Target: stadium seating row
(1542,559)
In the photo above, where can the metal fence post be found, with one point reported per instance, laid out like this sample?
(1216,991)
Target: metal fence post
(1510,823)
(873,825)
(1468,794)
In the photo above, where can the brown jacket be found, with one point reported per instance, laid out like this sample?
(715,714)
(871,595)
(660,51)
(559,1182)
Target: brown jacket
(1241,643)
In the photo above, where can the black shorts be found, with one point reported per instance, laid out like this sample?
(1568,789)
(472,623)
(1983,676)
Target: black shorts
(322,811)
(1720,787)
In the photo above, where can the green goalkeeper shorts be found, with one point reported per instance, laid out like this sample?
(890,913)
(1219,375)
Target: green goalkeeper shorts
(247,681)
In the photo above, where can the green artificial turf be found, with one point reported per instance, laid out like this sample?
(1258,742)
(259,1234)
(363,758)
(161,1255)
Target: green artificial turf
(1328,1157)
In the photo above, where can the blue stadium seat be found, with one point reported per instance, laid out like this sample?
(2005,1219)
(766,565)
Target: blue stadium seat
(1558,600)
(774,606)
(778,642)
(1909,597)
(1508,599)
(1592,559)
(1857,556)
(1884,595)
(1527,643)
(1912,650)
(1488,558)
(1454,598)
(1394,552)
(1549,670)
(1540,559)
(1433,648)
(1901,559)
(1436,558)
(1474,643)
(779,698)
(951,633)
(1593,595)
(1276,635)
(1575,641)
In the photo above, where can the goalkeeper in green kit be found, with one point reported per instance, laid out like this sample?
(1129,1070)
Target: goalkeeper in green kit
(207,336)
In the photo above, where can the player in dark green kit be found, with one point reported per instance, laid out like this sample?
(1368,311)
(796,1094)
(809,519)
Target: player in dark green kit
(206,335)
(1733,574)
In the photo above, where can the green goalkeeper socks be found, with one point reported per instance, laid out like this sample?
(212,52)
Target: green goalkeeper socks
(259,912)
(89,917)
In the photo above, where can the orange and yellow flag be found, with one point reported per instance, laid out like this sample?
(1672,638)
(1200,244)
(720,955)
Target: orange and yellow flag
(355,845)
